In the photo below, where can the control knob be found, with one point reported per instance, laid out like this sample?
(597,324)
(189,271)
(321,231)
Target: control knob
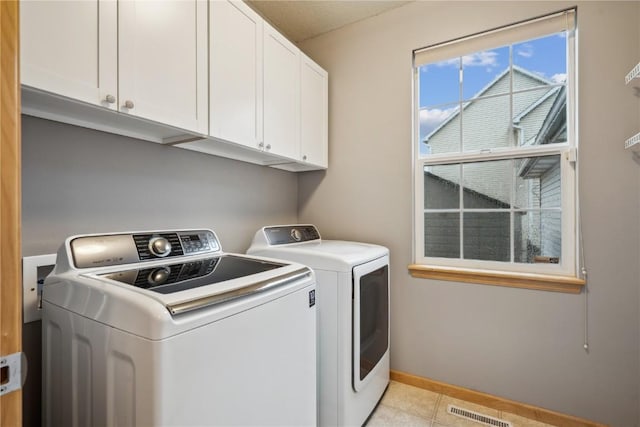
(158,276)
(296,234)
(159,246)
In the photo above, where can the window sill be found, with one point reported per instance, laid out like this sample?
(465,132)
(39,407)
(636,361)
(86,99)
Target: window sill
(544,282)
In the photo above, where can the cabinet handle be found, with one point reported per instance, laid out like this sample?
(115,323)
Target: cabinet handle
(304,157)
(261,145)
(128,104)
(268,147)
(110,99)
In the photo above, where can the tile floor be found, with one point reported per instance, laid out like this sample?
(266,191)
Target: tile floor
(407,406)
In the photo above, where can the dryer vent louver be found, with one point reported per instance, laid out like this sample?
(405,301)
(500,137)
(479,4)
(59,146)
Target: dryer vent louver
(477,417)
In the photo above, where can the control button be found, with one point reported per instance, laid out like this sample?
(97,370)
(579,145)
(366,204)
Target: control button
(158,276)
(159,246)
(296,234)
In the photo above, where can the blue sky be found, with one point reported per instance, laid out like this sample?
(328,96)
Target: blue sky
(439,83)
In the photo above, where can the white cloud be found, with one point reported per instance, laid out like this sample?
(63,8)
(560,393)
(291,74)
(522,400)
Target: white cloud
(559,78)
(525,50)
(432,118)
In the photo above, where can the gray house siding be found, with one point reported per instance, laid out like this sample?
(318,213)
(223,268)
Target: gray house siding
(551,227)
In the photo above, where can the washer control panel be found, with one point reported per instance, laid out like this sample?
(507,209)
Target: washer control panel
(199,242)
(116,249)
(286,234)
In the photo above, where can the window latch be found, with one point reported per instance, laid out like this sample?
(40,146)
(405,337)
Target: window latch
(571,155)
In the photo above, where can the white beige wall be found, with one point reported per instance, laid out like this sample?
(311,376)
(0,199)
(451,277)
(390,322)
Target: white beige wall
(520,344)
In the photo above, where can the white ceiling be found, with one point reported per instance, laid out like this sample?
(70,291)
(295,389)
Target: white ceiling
(303,19)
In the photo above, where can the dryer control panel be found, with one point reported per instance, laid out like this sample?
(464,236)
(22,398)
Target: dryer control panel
(118,249)
(286,234)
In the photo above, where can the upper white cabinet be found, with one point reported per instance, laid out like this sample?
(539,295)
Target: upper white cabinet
(207,76)
(281,95)
(314,112)
(162,62)
(70,48)
(235,73)
(143,58)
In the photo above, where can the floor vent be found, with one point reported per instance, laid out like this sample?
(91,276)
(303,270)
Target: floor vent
(477,417)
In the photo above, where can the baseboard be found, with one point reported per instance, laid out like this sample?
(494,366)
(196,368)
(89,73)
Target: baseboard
(494,402)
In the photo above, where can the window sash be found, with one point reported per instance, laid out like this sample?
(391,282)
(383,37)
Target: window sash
(567,265)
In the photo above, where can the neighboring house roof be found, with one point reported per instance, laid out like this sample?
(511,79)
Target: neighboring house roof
(553,127)
(498,78)
(535,105)
(556,121)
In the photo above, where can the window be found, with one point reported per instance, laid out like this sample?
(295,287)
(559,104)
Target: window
(495,153)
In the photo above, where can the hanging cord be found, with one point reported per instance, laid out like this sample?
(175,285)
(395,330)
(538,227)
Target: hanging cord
(583,264)
(583,271)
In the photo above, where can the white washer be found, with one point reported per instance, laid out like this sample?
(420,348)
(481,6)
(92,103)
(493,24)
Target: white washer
(353,317)
(163,328)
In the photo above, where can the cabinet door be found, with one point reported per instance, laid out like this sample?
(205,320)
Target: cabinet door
(70,48)
(163,62)
(235,73)
(281,95)
(313,112)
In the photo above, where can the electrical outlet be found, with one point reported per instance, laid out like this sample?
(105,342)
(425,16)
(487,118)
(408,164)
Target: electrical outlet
(34,271)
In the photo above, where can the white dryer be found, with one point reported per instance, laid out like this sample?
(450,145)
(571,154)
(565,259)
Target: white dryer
(162,328)
(353,317)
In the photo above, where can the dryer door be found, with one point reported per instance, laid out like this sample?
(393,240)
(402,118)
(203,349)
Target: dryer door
(370,318)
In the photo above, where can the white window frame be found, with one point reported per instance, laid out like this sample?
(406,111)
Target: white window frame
(568,265)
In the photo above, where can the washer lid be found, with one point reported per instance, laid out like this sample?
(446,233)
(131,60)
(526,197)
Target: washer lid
(332,255)
(190,274)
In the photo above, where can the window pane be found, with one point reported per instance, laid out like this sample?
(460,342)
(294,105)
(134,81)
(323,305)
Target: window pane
(540,61)
(487,185)
(486,73)
(486,123)
(538,237)
(442,187)
(440,82)
(538,182)
(440,129)
(486,236)
(540,116)
(442,235)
